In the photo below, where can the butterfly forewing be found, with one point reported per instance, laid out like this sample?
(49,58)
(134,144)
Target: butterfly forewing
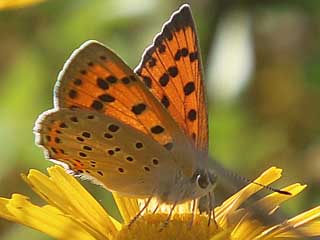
(101,147)
(97,80)
(171,69)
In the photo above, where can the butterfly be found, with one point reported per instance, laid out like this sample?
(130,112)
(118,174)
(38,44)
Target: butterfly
(141,133)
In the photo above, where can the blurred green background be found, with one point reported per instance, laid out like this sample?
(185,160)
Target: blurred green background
(262,68)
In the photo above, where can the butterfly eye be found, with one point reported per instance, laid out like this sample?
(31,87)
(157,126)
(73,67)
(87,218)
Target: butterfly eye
(202,180)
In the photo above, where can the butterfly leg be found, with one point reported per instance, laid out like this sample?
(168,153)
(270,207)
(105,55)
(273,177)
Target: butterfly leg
(156,208)
(140,212)
(211,213)
(194,211)
(168,218)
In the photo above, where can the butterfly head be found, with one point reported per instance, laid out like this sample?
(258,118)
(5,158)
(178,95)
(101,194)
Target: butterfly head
(204,181)
(187,188)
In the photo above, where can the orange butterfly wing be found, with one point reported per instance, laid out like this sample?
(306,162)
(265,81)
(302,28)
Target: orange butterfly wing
(171,68)
(96,79)
(105,150)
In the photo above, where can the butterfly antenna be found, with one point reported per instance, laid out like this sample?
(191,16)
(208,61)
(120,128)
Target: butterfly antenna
(244,179)
(235,176)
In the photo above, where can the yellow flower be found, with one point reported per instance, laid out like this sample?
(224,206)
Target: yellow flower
(17,3)
(72,213)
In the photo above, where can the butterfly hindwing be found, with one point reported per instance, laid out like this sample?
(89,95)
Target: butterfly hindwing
(171,69)
(102,148)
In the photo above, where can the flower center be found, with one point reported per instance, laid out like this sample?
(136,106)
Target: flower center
(150,226)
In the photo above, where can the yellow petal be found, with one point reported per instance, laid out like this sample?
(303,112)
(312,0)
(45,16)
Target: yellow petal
(66,193)
(247,229)
(46,219)
(271,202)
(305,217)
(128,207)
(17,3)
(244,221)
(311,229)
(4,212)
(232,203)
(305,224)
